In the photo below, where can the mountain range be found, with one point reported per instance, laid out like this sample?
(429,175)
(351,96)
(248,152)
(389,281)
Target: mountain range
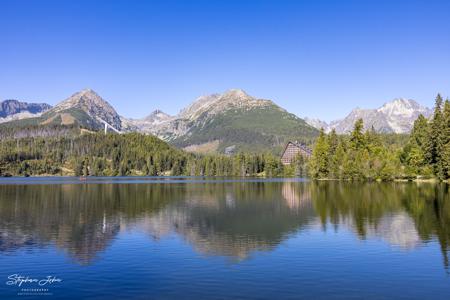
(222,122)
(15,110)
(396,116)
(225,122)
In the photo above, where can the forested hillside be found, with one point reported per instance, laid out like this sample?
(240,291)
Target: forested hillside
(256,129)
(98,154)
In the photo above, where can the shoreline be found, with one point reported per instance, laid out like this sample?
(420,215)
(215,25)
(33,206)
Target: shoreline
(87,178)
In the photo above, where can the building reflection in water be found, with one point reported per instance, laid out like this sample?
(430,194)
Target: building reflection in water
(226,219)
(235,221)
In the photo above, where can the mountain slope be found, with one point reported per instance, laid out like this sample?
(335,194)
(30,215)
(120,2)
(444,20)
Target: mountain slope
(397,116)
(17,110)
(85,108)
(233,120)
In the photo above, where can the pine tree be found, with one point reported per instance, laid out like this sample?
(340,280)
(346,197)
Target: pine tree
(446,141)
(413,155)
(333,142)
(434,145)
(319,159)
(338,159)
(357,139)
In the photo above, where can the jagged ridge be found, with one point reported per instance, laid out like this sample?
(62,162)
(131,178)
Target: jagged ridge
(396,116)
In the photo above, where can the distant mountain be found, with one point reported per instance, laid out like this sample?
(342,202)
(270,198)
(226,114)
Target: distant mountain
(316,123)
(224,123)
(147,124)
(86,108)
(397,116)
(232,120)
(227,122)
(17,110)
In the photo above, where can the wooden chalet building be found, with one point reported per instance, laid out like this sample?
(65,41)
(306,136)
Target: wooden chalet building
(291,150)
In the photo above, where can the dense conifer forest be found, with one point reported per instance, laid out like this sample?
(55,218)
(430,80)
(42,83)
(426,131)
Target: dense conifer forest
(425,153)
(97,154)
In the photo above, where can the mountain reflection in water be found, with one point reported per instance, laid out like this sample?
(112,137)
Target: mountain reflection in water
(231,219)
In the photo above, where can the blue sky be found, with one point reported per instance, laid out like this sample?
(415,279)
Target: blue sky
(314,58)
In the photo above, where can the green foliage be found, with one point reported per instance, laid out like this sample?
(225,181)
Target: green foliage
(321,154)
(428,150)
(128,154)
(372,156)
(258,129)
(358,156)
(446,141)
(413,155)
(434,145)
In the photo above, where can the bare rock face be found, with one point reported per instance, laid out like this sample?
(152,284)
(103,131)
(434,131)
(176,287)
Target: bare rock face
(401,114)
(371,117)
(16,110)
(396,116)
(156,119)
(316,123)
(200,105)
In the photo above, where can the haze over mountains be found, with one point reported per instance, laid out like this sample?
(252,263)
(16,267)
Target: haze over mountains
(224,122)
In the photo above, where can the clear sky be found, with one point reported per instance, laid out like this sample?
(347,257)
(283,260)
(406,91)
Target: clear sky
(314,58)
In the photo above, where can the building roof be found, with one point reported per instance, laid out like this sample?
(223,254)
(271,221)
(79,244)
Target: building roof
(301,146)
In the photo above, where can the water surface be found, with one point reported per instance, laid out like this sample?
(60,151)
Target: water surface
(224,238)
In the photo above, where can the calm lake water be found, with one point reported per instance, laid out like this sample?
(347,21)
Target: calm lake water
(189,238)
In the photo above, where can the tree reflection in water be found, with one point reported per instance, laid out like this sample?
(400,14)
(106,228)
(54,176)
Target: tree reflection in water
(230,219)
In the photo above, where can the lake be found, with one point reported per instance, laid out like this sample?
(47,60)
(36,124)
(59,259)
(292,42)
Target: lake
(222,238)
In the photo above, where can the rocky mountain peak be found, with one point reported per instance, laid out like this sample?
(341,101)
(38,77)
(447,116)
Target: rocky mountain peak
(236,94)
(157,115)
(396,116)
(199,105)
(156,112)
(91,103)
(402,107)
(87,91)
(14,109)
(86,98)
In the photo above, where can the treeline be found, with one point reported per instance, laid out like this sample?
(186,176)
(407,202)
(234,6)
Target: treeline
(97,154)
(372,156)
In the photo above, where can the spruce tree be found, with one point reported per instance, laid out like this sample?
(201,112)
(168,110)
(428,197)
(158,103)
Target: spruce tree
(319,160)
(357,139)
(338,159)
(434,146)
(446,141)
(333,142)
(413,154)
